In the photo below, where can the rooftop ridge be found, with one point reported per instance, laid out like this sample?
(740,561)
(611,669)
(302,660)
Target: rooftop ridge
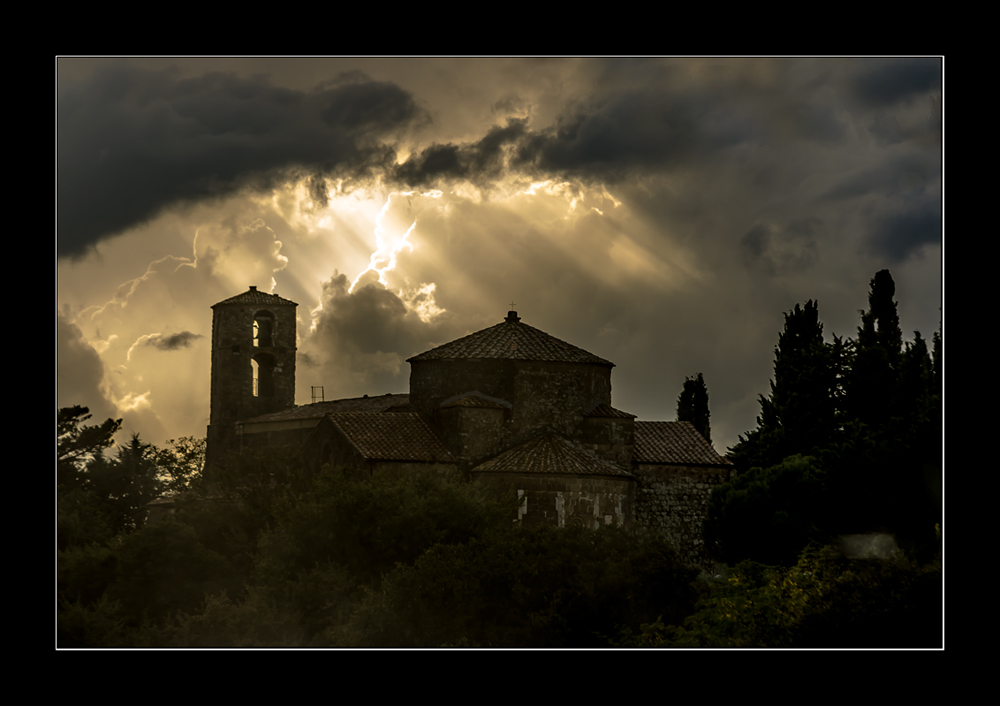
(606,410)
(378,403)
(252,296)
(511,340)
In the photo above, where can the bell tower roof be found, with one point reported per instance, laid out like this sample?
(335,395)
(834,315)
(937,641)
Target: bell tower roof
(252,296)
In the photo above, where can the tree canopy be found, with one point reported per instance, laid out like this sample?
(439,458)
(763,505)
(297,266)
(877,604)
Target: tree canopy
(866,411)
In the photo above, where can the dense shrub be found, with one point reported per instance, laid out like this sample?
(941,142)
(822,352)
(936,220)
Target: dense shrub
(526,587)
(767,515)
(825,600)
(164,569)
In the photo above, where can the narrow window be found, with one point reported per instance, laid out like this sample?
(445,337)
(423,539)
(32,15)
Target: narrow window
(263,378)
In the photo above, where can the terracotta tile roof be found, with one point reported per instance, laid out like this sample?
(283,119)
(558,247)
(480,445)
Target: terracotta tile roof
(551,454)
(404,436)
(252,296)
(475,399)
(511,340)
(675,443)
(606,410)
(381,403)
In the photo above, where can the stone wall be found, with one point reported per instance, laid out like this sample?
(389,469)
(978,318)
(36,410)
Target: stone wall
(399,469)
(543,396)
(291,439)
(471,433)
(611,438)
(674,500)
(563,500)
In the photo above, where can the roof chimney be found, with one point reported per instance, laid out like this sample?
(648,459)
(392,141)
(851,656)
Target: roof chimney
(253,288)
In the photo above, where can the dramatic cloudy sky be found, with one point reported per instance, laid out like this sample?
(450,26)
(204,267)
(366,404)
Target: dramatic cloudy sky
(660,213)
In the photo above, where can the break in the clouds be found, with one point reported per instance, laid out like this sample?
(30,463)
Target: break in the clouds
(660,213)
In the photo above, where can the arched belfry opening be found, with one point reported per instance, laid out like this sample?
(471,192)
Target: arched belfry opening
(263,329)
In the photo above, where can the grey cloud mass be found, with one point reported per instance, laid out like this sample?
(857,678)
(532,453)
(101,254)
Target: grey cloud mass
(887,81)
(132,142)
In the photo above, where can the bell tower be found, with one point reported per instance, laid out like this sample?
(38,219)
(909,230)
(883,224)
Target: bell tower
(253,364)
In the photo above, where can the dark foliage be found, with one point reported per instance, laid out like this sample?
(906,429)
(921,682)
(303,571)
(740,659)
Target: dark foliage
(800,416)
(824,600)
(530,587)
(164,569)
(692,406)
(767,515)
(868,411)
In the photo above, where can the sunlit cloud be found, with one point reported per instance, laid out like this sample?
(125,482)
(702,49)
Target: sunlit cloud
(132,402)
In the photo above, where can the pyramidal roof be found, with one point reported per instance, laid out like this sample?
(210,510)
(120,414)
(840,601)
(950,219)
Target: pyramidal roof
(252,296)
(511,340)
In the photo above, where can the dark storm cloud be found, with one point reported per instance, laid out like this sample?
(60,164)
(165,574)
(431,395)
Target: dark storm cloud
(911,171)
(132,142)
(372,320)
(819,123)
(896,237)
(883,82)
(636,131)
(608,139)
(173,342)
(480,160)
(770,251)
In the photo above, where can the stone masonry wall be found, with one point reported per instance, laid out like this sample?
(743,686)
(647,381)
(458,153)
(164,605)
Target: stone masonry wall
(543,396)
(471,433)
(563,500)
(610,438)
(674,500)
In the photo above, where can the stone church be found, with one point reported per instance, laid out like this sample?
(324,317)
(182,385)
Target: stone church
(508,405)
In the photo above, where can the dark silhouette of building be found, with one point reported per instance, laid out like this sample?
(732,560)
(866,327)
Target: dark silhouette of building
(508,405)
(253,364)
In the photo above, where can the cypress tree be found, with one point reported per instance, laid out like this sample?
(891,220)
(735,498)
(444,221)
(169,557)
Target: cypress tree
(692,406)
(800,416)
(701,413)
(872,390)
(685,402)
